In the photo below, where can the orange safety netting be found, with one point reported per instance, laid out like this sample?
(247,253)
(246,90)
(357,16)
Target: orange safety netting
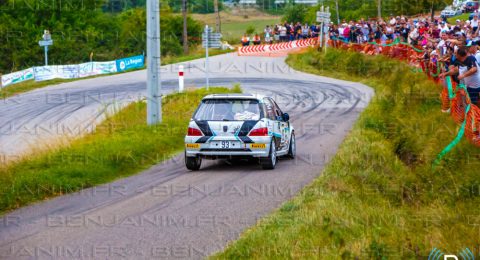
(458,106)
(472,125)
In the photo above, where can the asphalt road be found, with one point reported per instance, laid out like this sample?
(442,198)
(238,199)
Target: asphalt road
(167,211)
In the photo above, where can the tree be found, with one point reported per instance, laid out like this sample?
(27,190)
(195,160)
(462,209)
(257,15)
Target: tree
(185,33)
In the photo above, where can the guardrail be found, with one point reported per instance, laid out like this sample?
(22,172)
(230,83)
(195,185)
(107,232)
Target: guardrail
(73,71)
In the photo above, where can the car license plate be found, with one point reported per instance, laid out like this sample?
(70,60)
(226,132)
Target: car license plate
(258,146)
(193,146)
(225,145)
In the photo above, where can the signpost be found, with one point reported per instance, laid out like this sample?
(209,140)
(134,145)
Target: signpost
(209,40)
(47,41)
(323,17)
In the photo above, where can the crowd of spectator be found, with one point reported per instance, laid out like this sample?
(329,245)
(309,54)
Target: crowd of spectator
(450,49)
(283,32)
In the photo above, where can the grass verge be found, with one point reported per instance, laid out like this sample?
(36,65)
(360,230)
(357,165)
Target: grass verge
(379,197)
(462,17)
(26,86)
(121,146)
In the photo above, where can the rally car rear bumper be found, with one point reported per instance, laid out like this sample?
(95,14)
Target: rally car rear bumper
(260,147)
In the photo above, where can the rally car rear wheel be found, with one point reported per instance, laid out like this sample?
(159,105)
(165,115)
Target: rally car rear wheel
(292,149)
(270,162)
(193,163)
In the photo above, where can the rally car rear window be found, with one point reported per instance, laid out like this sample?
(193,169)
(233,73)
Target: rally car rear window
(228,110)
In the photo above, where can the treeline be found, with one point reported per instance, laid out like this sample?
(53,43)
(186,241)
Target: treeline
(354,9)
(79,29)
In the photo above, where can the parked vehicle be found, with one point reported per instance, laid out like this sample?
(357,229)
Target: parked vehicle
(450,12)
(471,6)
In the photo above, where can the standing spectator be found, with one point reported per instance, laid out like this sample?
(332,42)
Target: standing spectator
(305,31)
(298,31)
(313,30)
(283,33)
(290,32)
(268,34)
(475,23)
(475,51)
(276,33)
(334,33)
(346,34)
(256,39)
(466,68)
(365,33)
(245,40)
(389,31)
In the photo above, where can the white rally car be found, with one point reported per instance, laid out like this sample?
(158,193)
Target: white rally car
(239,126)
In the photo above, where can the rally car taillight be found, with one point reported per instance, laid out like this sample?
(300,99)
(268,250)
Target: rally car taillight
(194,132)
(259,132)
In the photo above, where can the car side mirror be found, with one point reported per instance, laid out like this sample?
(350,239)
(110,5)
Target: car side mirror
(286,117)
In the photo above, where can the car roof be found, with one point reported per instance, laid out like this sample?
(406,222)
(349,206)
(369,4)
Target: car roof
(235,96)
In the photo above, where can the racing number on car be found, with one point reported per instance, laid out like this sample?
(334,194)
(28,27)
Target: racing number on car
(225,144)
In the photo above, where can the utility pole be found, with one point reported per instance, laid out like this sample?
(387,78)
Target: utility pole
(338,14)
(154,97)
(185,32)
(207,32)
(217,16)
(379,6)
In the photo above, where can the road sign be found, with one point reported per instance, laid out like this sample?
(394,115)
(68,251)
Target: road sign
(45,43)
(212,45)
(323,16)
(213,39)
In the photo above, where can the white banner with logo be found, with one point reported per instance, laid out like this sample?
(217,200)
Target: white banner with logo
(17,77)
(44,73)
(67,71)
(97,68)
(73,71)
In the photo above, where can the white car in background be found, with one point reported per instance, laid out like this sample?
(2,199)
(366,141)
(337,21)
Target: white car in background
(239,126)
(450,12)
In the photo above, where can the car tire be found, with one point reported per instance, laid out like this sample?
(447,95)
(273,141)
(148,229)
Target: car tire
(270,162)
(292,149)
(193,163)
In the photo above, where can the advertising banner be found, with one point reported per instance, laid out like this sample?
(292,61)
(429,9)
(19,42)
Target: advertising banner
(97,68)
(44,73)
(73,71)
(105,67)
(134,62)
(54,72)
(86,69)
(67,71)
(17,77)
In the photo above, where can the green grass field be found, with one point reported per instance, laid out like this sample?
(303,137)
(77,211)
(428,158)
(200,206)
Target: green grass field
(379,197)
(236,30)
(121,146)
(463,17)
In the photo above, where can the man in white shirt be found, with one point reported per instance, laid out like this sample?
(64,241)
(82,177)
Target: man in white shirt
(473,50)
(474,23)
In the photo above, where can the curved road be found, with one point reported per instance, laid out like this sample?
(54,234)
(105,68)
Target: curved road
(167,211)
